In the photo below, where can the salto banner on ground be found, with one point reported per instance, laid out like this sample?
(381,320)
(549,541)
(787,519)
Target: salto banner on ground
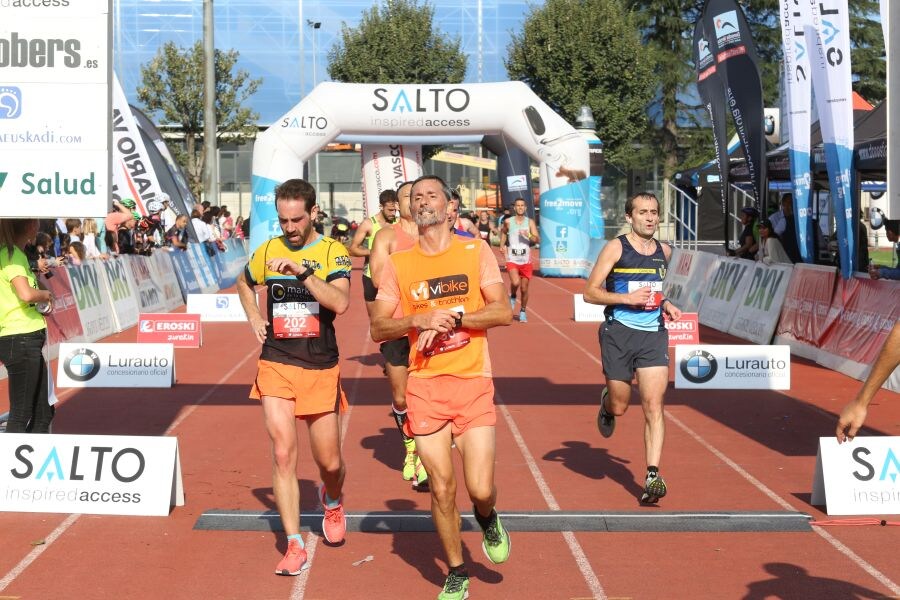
(54,100)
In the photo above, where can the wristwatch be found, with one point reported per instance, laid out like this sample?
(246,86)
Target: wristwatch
(457,321)
(305,274)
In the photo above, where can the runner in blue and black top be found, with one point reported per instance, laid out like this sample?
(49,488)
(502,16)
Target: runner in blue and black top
(627,279)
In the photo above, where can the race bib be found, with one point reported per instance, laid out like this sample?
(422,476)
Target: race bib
(517,253)
(655,298)
(295,319)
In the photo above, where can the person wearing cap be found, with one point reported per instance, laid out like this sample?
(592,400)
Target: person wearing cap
(748,240)
(361,244)
(168,214)
(770,250)
(892,230)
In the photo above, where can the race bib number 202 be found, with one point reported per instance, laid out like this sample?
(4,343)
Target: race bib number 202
(295,319)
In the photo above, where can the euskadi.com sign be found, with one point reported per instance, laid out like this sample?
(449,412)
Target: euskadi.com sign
(92,474)
(733,367)
(115,365)
(55,128)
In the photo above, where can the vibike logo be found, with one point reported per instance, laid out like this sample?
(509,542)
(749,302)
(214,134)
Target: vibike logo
(10,102)
(433,99)
(19,52)
(699,366)
(430,289)
(82,364)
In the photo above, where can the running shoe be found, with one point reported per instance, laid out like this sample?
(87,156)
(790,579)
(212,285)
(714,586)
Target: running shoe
(606,422)
(523,318)
(512,303)
(455,588)
(654,488)
(334,523)
(409,462)
(294,560)
(420,481)
(495,542)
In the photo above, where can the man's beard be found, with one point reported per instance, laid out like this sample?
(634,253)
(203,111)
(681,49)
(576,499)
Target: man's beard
(430,217)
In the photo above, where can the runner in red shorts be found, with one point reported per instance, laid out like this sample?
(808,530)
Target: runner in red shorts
(518,234)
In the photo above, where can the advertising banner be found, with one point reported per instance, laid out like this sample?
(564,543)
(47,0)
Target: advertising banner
(149,293)
(564,231)
(733,367)
(805,311)
(202,266)
(115,365)
(757,313)
(133,175)
(54,100)
(90,474)
(587,313)
(165,275)
(831,77)
(385,167)
(63,323)
(711,88)
(184,271)
(798,99)
(93,300)
(736,64)
(685,330)
(216,307)
(725,288)
(122,292)
(858,477)
(182,330)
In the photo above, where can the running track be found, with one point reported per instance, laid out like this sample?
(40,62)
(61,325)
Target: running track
(729,451)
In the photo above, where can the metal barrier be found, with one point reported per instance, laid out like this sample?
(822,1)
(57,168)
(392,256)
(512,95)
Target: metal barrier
(682,212)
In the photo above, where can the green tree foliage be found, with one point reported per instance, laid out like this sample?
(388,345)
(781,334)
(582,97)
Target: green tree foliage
(396,43)
(173,86)
(867,53)
(577,52)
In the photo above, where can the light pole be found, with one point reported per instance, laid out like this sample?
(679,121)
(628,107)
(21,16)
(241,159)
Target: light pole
(315,25)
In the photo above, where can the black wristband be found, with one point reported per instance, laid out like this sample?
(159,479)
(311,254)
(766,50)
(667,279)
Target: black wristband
(305,274)
(457,321)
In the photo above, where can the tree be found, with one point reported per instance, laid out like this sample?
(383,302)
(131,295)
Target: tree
(173,85)
(867,53)
(588,52)
(396,43)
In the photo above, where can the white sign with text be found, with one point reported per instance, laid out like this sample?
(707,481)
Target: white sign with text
(588,313)
(90,474)
(861,477)
(115,365)
(216,307)
(733,367)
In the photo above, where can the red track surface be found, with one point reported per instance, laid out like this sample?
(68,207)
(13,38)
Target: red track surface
(725,451)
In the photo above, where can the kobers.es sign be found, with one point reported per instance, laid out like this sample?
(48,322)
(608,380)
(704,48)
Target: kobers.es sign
(115,365)
(94,474)
(733,367)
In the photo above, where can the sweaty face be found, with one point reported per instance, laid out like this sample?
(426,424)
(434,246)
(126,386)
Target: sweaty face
(295,222)
(429,203)
(645,216)
(389,211)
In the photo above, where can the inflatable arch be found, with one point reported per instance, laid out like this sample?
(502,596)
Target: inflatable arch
(434,114)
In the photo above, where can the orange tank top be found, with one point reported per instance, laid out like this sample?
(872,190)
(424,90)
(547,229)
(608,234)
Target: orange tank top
(402,240)
(448,280)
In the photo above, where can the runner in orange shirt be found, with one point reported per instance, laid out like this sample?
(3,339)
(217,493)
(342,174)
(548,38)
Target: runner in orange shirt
(450,293)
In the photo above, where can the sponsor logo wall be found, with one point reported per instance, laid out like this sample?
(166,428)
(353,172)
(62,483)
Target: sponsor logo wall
(84,364)
(733,367)
(754,319)
(861,477)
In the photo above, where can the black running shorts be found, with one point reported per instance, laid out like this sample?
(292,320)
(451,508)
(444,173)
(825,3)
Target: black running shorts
(369,289)
(623,349)
(396,352)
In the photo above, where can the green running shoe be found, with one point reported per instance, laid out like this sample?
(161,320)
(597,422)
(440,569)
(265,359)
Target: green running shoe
(654,488)
(496,542)
(409,461)
(455,588)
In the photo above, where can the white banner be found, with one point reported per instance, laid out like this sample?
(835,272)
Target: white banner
(589,313)
(92,296)
(385,168)
(829,44)
(163,275)
(757,313)
(725,288)
(122,290)
(132,174)
(90,474)
(861,477)
(216,307)
(115,365)
(55,133)
(196,255)
(733,367)
(798,101)
(149,292)
(685,282)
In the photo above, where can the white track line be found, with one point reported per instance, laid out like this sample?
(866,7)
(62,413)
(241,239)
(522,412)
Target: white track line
(71,519)
(855,558)
(312,540)
(575,548)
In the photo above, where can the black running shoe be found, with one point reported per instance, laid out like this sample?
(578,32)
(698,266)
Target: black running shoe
(606,422)
(654,488)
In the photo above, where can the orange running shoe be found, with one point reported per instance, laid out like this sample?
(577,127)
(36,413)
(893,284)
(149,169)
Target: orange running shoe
(294,560)
(334,523)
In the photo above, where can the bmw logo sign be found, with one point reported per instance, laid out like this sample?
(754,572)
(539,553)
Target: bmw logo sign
(699,366)
(82,364)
